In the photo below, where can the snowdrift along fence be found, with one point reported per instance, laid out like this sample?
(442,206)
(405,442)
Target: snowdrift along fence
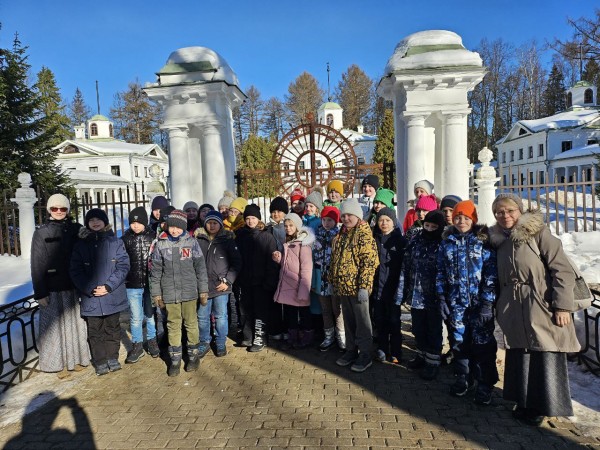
(590,352)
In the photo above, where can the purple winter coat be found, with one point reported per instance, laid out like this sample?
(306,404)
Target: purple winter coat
(295,275)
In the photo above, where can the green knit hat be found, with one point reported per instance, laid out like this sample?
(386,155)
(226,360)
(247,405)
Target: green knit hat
(385,196)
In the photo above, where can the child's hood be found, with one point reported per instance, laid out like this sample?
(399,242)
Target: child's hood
(306,236)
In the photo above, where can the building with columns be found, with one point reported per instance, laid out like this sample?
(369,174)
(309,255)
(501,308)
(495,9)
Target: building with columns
(563,146)
(197,91)
(97,163)
(427,78)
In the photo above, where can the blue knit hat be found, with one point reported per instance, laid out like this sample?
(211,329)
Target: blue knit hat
(213,215)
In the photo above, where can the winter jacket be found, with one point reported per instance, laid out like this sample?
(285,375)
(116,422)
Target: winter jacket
(178,272)
(223,260)
(99,259)
(256,247)
(366,204)
(415,229)
(390,249)
(278,232)
(328,202)
(467,280)
(353,260)
(154,224)
(416,286)
(322,255)
(296,270)
(531,289)
(313,222)
(409,219)
(138,249)
(51,250)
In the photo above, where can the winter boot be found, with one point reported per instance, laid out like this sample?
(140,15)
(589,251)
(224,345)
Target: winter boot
(341,339)
(329,339)
(305,339)
(193,359)
(135,354)
(153,348)
(259,337)
(175,367)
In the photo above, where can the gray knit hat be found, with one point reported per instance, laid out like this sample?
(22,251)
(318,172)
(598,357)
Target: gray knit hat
(351,206)
(190,204)
(426,185)
(508,196)
(226,200)
(316,199)
(295,218)
(57,201)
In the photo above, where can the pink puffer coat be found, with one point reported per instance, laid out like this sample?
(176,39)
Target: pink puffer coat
(296,270)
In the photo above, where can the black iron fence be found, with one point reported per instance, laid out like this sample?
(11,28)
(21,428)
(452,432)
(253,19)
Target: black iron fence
(590,352)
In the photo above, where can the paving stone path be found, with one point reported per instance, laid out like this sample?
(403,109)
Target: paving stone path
(274,399)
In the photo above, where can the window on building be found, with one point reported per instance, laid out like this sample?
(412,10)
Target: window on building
(522,131)
(592,141)
(512,155)
(530,151)
(541,177)
(522,179)
(504,180)
(70,149)
(360,160)
(329,120)
(566,145)
(520,153)
(569,100)
(503,157)
(301,165)
(588,96)
(514,180)
(530,178)
(318,162)
(153,153)
(115,170)
(136,171)
(110,130)
(94,169)
(285,166)
(541,150)
(94,129)
(145,172)
(162,171)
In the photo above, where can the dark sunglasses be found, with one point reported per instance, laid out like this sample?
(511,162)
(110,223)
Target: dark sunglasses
(54,209)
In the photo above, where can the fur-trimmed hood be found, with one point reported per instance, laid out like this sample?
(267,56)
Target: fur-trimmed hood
(528,225)
(201,233)
(86,233)
(306,236)
(482,232)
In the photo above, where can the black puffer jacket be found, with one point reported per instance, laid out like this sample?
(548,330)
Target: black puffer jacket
(391,251)
(138,249)
(256,247)
(223,260)
(51,250)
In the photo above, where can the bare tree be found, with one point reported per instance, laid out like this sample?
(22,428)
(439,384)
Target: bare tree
(304,97)
(354,92)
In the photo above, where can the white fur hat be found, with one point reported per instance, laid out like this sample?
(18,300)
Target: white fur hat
(58,201)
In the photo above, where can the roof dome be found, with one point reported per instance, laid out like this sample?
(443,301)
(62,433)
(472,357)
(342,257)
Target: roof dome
(329,105)
(100,118)
(431,49)
(205,64)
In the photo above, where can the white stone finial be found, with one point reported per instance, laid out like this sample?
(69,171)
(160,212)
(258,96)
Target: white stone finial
(486,171)
(155,186)
(24,179)
(485,155)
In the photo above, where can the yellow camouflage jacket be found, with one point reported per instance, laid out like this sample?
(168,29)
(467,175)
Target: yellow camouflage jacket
(354,260)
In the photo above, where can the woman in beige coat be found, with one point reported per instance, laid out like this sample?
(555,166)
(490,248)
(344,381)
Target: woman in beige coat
(533,310)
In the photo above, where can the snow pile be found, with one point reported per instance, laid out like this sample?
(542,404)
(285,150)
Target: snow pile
(566,119)
(584,250)
(15,279)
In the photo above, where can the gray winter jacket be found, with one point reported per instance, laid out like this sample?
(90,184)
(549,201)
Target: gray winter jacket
(178,272)
(531,289)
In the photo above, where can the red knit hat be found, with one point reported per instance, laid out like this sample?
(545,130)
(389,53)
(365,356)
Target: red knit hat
(427,203)
(296,194)
(332,212)
(466,208)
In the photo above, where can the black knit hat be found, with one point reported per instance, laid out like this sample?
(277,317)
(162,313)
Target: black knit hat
(372,180)
(279,204)
(389,212)
(436,216)
(96,213)
(164,213)
(177,218)
(206,205)
(138,215)
(159,202)
(252,210)
(450,201)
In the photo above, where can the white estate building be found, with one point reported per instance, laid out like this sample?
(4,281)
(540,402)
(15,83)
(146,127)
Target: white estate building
(563,145)
(99,163)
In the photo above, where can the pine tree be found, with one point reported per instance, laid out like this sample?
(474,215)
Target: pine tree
(78,110)
(136,119)
(304,97)
(256,153)
(384,147)
(554,95)
(354,94)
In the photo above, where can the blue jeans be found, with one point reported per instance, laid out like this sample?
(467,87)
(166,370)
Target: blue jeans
(218,307)
(141,307)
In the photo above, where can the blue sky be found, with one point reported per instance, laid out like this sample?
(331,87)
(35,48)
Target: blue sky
(268,44)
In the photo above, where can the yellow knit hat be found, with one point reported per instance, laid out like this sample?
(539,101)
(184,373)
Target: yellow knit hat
(336,185)
(239,203)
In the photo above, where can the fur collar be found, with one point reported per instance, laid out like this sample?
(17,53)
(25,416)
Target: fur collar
(201,233)
(86,233)
(528,225)
(306,236)
(481,232)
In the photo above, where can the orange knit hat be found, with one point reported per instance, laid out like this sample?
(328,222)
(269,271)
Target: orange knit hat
(466,208)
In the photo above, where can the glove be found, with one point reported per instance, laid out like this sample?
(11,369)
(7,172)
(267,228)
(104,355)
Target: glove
(43,301)
(444,311)
(203,299)
(363,296)
(158,301)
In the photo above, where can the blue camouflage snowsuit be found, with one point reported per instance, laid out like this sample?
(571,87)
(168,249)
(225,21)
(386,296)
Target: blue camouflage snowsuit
(467,278)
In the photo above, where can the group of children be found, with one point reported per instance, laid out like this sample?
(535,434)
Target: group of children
(341,266)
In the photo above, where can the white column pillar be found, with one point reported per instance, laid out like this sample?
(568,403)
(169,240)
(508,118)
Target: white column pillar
(415,156)
(402,196)
(486,180)
(455,174)
(178,166)
(25,198)
(213,164)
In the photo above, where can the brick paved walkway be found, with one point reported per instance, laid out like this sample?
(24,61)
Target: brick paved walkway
(273,399)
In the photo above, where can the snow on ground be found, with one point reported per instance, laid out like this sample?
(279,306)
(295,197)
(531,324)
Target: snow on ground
(15,279)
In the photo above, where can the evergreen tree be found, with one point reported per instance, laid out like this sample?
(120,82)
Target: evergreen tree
(256,153)
(591,72)
(78,110)
(136,119)
(554,95)
(26,137)
(304,97)
(384,147)
(57,124)
(353,92)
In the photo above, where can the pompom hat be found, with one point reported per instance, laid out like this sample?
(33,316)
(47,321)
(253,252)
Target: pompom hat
(226,200)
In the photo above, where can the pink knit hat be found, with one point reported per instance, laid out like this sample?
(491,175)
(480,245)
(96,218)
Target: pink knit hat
(427,203)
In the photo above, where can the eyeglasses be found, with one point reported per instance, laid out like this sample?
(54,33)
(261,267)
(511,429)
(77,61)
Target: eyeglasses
(505,212)
(55,209)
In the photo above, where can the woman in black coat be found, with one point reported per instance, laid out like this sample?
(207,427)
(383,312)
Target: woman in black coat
(62,336)
(99,267)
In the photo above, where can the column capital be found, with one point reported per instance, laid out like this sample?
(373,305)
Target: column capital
(414,120)
(209,128)
(176,131)
(450,117)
